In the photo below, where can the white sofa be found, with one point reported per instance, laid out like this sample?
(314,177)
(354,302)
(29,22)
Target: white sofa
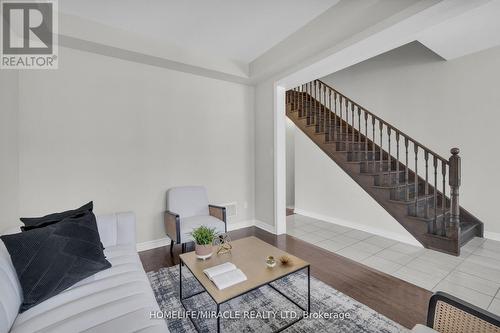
(118,299)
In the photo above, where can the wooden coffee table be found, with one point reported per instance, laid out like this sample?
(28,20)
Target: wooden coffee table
(249,255)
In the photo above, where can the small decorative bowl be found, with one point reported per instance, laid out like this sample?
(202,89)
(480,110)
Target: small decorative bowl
(270,262)
(285,260)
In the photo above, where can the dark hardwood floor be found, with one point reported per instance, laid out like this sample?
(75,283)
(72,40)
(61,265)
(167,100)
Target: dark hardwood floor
(399,300)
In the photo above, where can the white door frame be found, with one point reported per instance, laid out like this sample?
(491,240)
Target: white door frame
(279,159)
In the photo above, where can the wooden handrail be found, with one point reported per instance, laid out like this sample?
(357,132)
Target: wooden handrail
(444,160)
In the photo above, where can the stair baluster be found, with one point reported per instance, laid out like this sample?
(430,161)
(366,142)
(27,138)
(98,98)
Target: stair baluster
(381,130)
(345,122)
(443,199)
(407,192)
(320,108)
(318,105)
(341,118)
(313,108)
(426,158)
(434,225)
(415,146)
(366,136)
(373,143)
(325,114)
(330,124)
(310,108)
(301,103)
(335,136)
(313,104)
(295,98)
(454,180)
(353,124)
(397,158)
(346,130)
(389,152)
(359,129)
(307,104)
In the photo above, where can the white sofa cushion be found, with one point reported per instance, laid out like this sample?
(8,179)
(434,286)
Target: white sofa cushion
(118,299)
(188,201)
(116,229)
(188,224)
(10,290)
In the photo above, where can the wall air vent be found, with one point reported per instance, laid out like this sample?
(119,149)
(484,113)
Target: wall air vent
(231,209)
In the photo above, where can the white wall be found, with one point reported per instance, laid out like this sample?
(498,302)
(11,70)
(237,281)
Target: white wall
(9,195)
(324,191)
(290,163)
(264,152)
(121,133)
(442,104)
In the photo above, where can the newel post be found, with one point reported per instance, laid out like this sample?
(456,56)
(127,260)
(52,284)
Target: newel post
(453,229)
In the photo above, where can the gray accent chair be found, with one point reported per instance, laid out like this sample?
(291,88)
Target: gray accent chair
(188,208)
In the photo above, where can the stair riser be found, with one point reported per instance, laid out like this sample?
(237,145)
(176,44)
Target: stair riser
(329,123)
(352,147)
(361,156)
(439,220)
(422,211)
(377,166)
(467,236)
(346,136)
(389,179)
(399,194)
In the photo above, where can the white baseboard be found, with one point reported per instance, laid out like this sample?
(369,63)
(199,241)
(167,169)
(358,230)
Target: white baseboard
(266,227)
(492,235)
(373,230)
(240,225)
(152,244)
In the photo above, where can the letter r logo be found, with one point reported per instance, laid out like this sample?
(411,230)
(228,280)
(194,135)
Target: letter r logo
(27,27)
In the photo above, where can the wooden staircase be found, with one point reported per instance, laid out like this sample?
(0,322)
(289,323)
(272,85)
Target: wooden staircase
(402,175)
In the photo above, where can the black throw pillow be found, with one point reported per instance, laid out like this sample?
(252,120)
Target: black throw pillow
(38,222)
(51,259)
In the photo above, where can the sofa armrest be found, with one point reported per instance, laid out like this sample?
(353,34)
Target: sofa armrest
(451,314)
(218,212)
(117,229)
(172,226)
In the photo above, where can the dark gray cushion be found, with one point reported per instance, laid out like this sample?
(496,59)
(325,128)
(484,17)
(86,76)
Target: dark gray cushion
(38,222)
(51,259)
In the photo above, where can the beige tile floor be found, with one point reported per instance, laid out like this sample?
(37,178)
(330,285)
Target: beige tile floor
(474,276)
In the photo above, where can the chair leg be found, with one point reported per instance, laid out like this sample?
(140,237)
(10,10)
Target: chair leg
(171,247)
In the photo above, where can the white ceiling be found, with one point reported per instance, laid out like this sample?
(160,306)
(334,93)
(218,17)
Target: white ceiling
(239,30)
(473,31)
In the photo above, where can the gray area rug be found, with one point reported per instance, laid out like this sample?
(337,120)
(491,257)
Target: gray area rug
(266,300)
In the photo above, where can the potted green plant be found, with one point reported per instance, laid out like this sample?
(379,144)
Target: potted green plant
(203,238)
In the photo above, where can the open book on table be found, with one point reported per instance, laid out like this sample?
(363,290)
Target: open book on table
(225,275)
